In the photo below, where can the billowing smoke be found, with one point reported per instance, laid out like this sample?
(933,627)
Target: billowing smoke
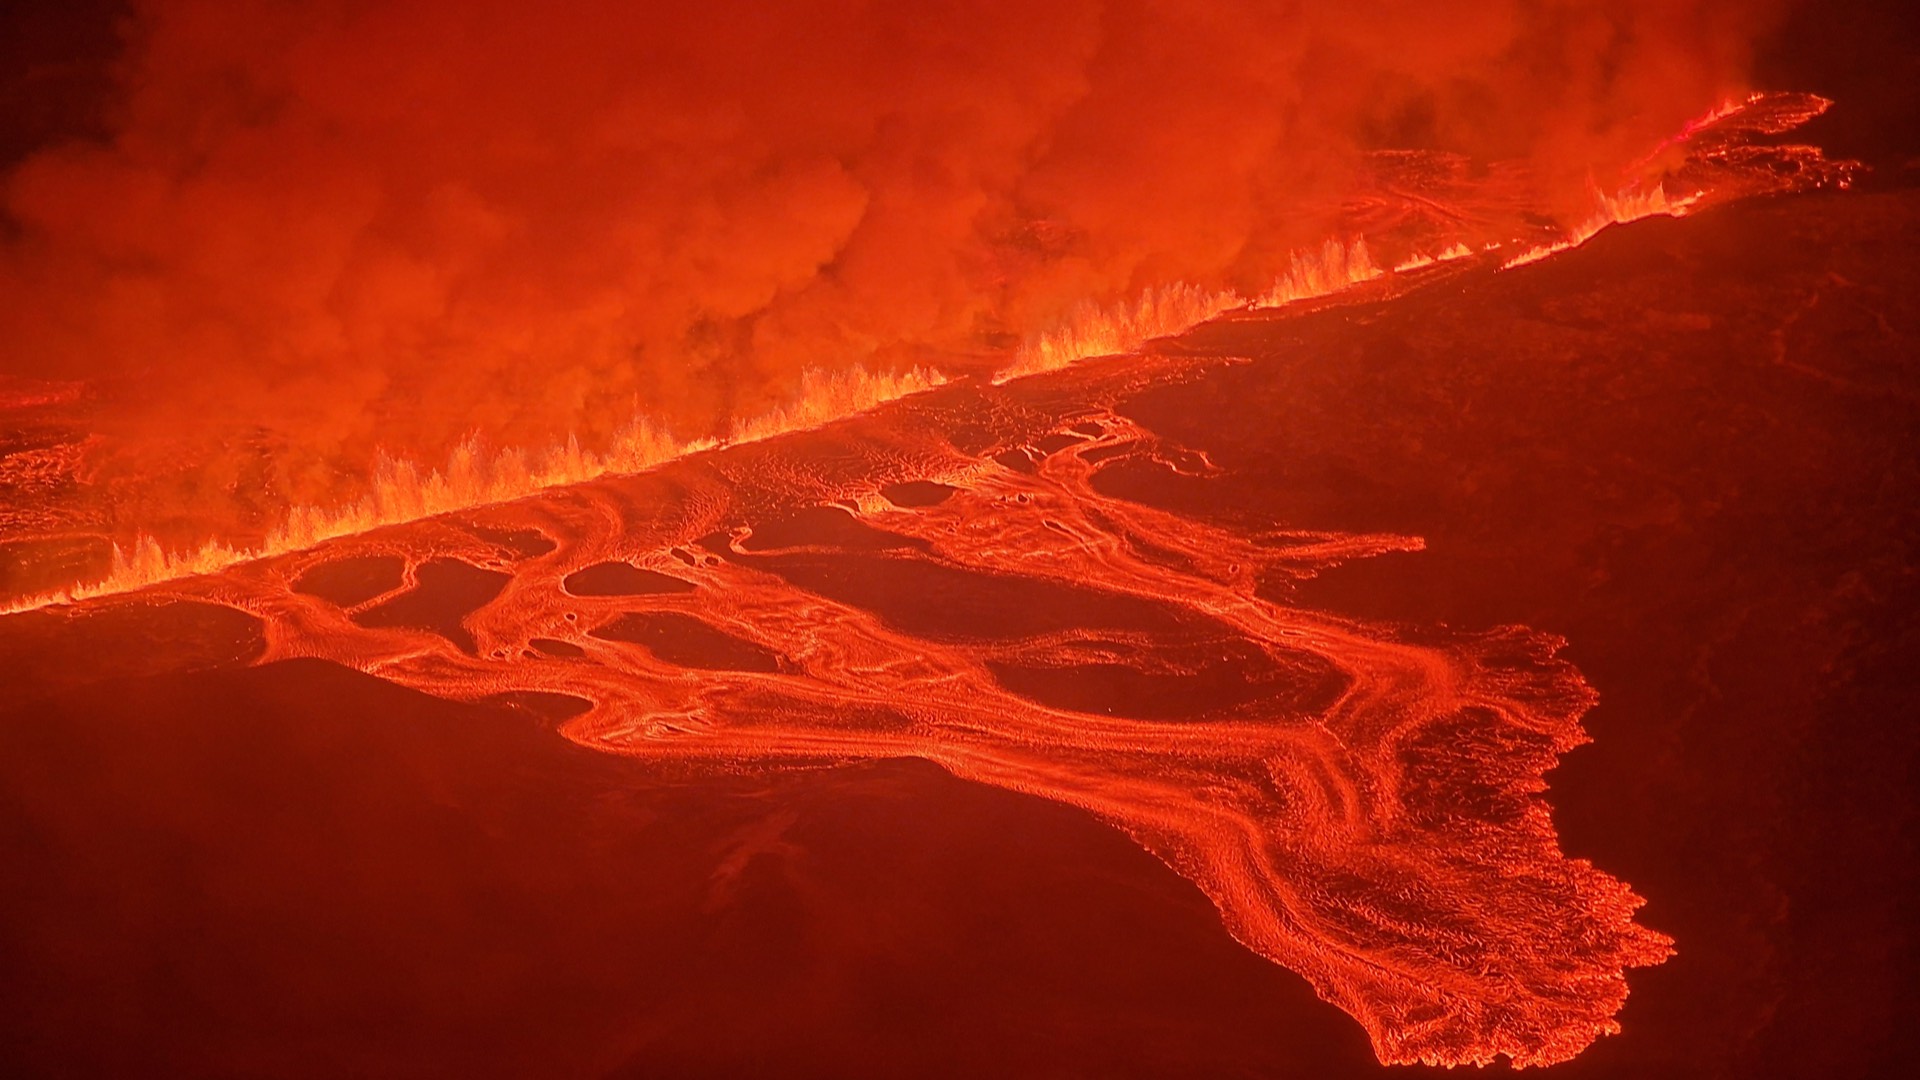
(327,226)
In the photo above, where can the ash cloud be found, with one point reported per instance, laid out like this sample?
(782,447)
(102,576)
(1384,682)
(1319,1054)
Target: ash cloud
(320,228)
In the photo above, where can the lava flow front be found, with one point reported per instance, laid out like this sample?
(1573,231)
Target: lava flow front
(1359,801)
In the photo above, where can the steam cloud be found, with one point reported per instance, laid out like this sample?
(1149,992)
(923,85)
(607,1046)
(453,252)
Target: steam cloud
(323,227)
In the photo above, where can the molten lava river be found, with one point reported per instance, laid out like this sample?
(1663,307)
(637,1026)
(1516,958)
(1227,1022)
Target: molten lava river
(944,578)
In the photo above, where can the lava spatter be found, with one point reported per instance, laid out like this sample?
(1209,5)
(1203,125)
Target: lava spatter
(1359,801)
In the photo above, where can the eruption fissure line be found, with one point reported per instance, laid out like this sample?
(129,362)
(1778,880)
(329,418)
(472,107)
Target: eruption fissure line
(402,491)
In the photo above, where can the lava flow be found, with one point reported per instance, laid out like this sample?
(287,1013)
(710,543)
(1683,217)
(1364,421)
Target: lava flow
(1359,801)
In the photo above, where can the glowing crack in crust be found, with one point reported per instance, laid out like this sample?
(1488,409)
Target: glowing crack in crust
(1360,802)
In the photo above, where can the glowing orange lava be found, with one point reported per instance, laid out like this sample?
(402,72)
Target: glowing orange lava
(1362,807)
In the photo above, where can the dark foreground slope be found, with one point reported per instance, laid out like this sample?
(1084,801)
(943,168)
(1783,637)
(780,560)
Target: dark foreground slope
(1688,447)
(299,870)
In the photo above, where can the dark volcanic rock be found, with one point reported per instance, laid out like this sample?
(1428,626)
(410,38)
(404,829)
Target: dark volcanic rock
(316,873)
(825,526)
(623,579)
(351,581)
(947,602)
(445,592)
(687,641)
(54,648)
(1211,677)
(915,493)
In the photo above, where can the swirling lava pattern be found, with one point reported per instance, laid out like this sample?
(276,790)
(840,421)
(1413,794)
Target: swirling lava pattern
(944,578)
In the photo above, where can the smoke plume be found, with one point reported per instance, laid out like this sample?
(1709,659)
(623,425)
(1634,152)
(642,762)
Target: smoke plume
(321,228)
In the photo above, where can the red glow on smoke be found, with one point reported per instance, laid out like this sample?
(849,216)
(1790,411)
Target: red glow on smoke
(324,236)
